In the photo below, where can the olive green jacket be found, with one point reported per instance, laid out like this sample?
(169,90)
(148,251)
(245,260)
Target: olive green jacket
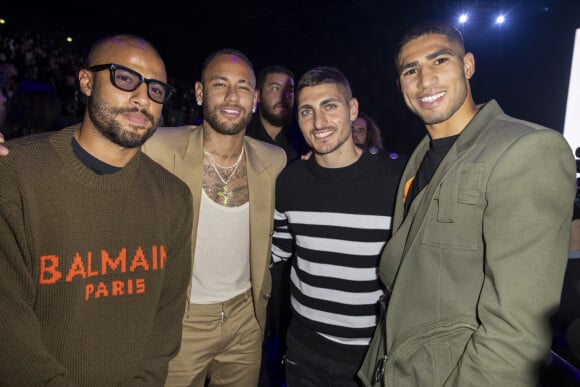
(477,265)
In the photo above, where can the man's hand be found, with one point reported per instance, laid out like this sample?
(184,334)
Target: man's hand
(3,149)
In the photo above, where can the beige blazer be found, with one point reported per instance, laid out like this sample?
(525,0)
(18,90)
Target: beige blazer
(180,151)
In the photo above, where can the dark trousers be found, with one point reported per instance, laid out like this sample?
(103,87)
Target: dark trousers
(307,368)
(274,348)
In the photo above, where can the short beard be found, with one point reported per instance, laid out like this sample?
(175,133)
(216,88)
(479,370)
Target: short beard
(326,151)
(103,117)
(277,120)
(448,113)
(213,120)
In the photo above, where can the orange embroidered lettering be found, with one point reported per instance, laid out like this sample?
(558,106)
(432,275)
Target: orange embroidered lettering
(139,260)
(121,261)
(89,289)
(49,273)
(130,286)
(139,285)
(117,288)
(76,268)
(91,273)
(101,290)
(154,256)
(163,254)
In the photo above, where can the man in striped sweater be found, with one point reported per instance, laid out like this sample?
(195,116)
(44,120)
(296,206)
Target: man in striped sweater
(333,218)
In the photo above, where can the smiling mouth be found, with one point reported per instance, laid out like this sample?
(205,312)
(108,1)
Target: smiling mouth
(321,135)
(230,111)
(432,98)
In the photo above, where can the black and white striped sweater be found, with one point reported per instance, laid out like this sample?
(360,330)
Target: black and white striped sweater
(333,225)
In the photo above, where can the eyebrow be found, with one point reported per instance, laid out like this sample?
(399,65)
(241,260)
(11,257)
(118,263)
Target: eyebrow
(322,103)
(224,78)
(433,55)
(443,51)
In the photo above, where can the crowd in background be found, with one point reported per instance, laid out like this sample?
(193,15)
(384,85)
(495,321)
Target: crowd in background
(26,57)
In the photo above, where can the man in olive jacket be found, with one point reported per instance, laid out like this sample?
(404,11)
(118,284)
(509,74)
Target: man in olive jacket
(480,233)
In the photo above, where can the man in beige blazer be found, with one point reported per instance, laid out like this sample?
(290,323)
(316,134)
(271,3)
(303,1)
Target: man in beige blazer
(232,180)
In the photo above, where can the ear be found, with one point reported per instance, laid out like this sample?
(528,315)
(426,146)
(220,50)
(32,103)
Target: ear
(353,105)
(255,101)
(86,81)
(468,65)
(199,92)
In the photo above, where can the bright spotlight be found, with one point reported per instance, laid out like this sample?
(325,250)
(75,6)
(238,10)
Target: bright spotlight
(500,19)
(463,18)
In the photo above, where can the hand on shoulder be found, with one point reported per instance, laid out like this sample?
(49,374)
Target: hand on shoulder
(3,149)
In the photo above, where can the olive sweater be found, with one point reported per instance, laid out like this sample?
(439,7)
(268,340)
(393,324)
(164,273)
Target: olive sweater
(93,268)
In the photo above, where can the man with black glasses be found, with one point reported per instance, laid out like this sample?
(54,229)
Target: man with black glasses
(95,237)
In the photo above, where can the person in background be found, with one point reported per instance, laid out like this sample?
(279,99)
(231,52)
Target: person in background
(224,322)
(34,108)
(566,323)
(366,132)
(95,237)
(332,239)
(274,122)
(481,231)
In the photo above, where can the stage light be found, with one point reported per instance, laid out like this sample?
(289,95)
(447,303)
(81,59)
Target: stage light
(463,18)
(500,19)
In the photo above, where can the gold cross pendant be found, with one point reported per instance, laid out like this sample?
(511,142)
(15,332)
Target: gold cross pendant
(226,194)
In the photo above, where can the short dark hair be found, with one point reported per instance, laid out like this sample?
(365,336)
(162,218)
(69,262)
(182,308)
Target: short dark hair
(272,69)
(325,74)
(428,27)
(225,52)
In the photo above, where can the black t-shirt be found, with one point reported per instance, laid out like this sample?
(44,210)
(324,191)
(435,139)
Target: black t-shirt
(438,148)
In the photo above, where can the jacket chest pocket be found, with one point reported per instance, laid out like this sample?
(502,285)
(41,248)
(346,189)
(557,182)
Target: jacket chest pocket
(454,219)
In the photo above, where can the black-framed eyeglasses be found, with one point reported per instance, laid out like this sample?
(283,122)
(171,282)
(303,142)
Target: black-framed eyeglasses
(129,80)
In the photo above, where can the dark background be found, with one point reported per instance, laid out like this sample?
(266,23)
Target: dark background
(524,64)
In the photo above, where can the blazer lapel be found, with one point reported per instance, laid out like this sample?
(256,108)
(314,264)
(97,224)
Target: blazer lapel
(260,193)
(405,230)
(188,167)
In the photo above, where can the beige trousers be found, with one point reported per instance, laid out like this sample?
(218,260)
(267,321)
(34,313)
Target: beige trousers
(220,342)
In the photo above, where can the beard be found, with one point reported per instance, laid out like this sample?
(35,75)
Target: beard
(448,113)
(103,117)
(278,120)
(225,127)
(325,149)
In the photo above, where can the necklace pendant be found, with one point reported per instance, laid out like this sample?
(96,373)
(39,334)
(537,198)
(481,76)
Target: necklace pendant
(226,194)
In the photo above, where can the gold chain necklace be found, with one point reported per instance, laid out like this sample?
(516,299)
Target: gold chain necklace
(225,192)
